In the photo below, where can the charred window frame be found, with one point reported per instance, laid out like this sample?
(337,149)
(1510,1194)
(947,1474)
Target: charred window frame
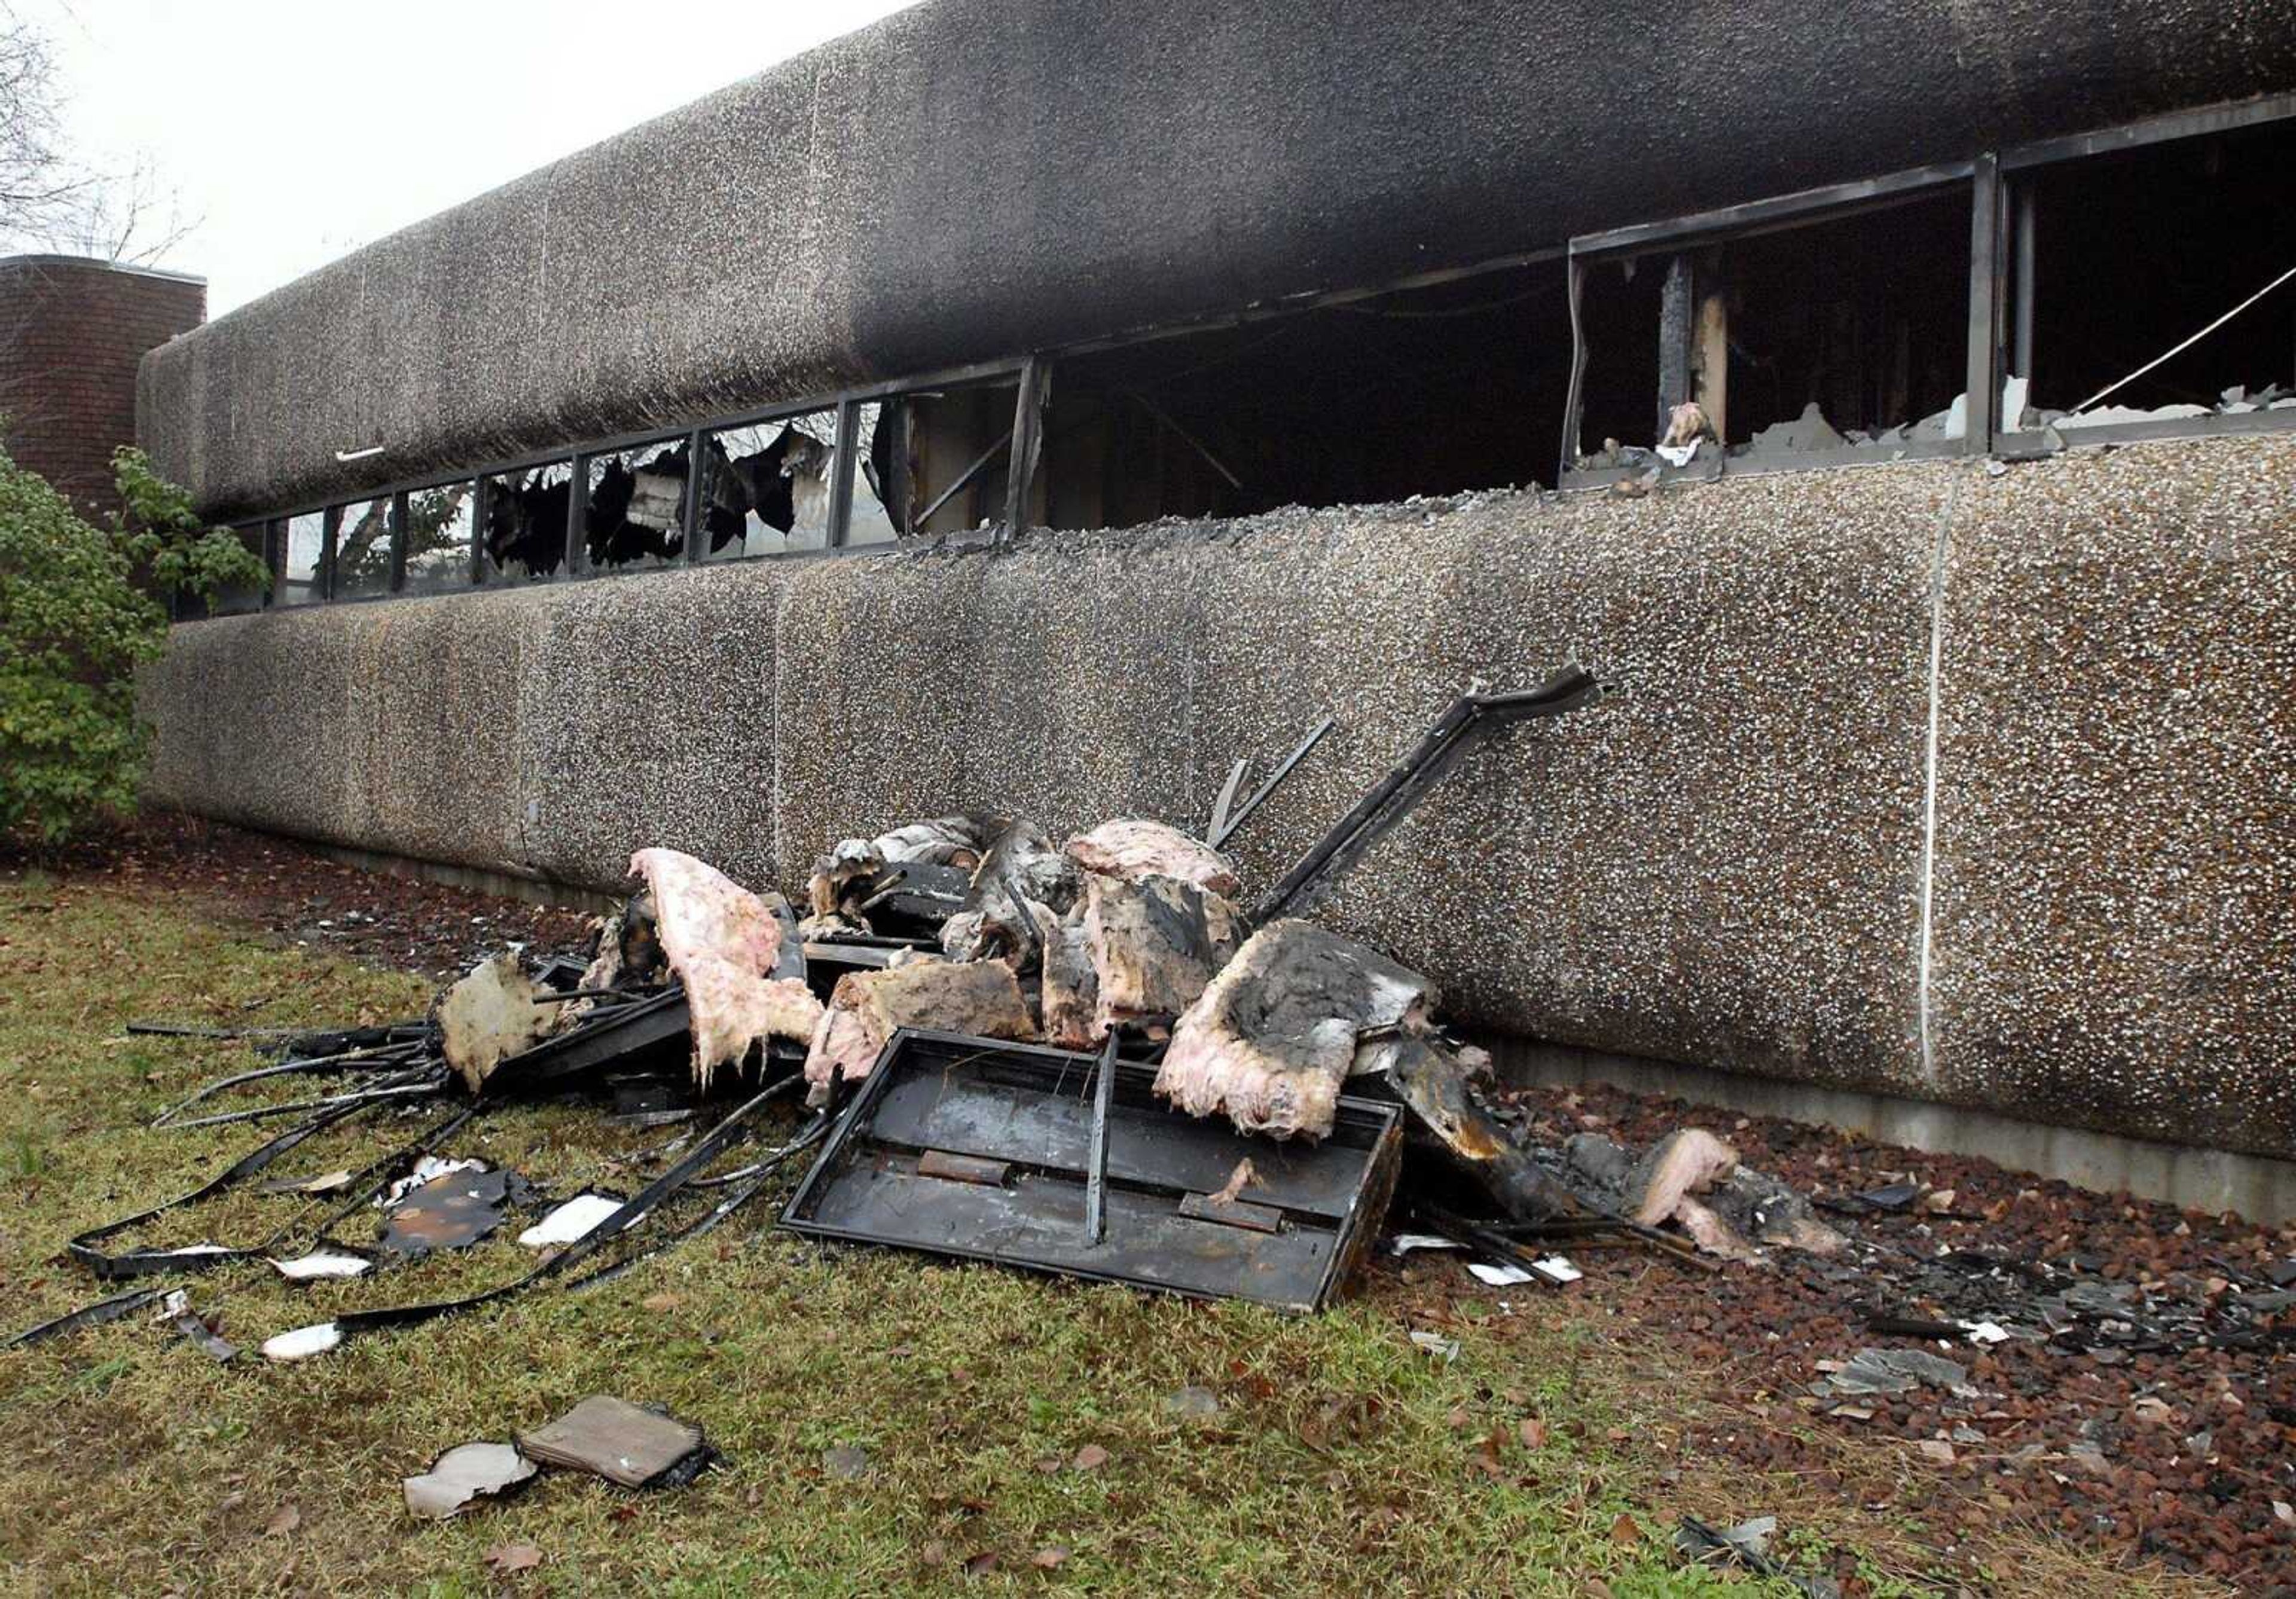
(1687,352)
(2005,402)
(2149,192)
(941,456)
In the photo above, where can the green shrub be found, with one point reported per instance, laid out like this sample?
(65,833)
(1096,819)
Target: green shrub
(73,625)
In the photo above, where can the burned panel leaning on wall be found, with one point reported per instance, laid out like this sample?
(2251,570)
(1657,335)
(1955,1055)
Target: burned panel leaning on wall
(935,460)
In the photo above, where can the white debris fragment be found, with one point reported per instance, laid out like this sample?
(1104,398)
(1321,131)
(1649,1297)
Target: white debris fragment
(462,1474)
(303,1342)
(1403,1243)
(1559,1268)
(1498,1276)
(427,1169)
(321,1262)
(571,1221)
(1446,1349)
(1985,1332)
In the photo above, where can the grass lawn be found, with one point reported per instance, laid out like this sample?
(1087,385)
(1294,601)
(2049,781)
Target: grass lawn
(1342,1459)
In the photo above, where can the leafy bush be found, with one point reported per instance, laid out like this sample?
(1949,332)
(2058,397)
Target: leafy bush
(73,625)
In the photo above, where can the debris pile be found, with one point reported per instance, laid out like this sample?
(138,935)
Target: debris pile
(1094,1053)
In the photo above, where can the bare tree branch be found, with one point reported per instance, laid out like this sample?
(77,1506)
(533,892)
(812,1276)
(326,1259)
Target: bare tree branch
(50,201)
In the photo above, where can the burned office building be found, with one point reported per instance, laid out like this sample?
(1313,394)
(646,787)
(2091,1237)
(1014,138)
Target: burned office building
(1035,408)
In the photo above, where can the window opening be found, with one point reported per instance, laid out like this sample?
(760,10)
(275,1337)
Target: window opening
(525,522)
(301,580)
(636,513)
(869,522)
(2118,261)
(1844,335)
(934,461)
(363,550)
(769,487)
(439,524)
(238,600)
(1435,390)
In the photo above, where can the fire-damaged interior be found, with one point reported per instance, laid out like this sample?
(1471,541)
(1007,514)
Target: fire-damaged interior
(2123,256)
(1839,331)
(1425,392)
(2137,279)
(932,461)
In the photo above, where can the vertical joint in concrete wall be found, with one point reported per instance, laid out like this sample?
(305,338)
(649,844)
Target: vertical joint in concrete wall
(1930,778)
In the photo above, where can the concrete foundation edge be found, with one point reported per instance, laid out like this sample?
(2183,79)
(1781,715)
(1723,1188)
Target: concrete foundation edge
(477,880)
(2214,1181)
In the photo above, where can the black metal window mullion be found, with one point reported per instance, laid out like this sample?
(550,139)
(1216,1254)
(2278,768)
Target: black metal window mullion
(482,489)
(397,580)
(1982,392)
(577,508)
(693,520)
(840,473)
(330,535)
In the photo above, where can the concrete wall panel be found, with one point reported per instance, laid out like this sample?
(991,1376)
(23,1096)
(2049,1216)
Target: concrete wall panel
(1724,865)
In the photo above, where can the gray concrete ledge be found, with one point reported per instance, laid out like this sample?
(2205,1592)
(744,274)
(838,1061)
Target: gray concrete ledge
(2215,1181)
(477,880)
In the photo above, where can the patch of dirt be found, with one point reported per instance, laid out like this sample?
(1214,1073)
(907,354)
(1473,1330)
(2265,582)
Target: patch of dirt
(299,896)
(2163,1448)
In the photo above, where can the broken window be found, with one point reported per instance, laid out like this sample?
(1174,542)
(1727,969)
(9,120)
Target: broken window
(2184,249)
(868,521)
(303,550)
(636,513)
(1438,389)
(438,530)
(363,550)
(524,516)
(769,486)
(1845,334)
(934,461)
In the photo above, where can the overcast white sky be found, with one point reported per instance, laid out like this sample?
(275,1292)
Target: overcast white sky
(295,130)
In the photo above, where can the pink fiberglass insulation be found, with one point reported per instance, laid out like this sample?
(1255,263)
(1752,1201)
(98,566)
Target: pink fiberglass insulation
(722,941)
(1154,943)
(1130,847)
(1272,1037)
(866,1008)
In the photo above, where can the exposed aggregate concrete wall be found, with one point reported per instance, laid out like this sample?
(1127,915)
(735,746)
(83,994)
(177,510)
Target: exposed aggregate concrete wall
(1724,863)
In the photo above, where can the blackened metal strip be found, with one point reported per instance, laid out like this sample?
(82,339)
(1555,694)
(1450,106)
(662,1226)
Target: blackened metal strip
(1095,1178)
(1392,798)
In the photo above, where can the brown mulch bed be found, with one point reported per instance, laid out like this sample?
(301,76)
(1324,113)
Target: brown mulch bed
(299,896)
(2178,1456)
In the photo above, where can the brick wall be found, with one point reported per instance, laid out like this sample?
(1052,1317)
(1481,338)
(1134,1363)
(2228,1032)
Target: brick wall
(71,331)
